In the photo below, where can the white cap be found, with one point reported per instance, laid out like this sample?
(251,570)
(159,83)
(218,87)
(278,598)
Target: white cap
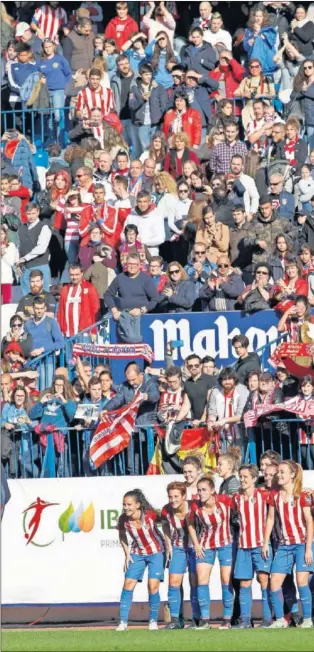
(21,28)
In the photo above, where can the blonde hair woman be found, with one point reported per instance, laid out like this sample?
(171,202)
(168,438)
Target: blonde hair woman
(179,154)
(214,235)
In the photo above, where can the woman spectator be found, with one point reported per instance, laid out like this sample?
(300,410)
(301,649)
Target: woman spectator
(222,116)
(214,235)
(57,71)
(134,48)
(55,410)
(295,149)
(16,436)
(305,259)
(254,86)
(161,57)
(257,296)
(17,334)
(229,74)
(188,168)
(183,118)
(223,287)
(163,20)
(297,320)
(179,294)
(283,248)
(182,207)
(166,200)
(157,151)
(304,189)
(290,286)
(260,40)
(200,188)
(9,256)
(301,34)
(110,55)
(59,190)
(179,154)
(303,90)
(306,430)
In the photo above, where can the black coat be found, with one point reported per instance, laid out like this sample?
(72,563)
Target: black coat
(302,38)
(301,153)
(244,367)
(202,61)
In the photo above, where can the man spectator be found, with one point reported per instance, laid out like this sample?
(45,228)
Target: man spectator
(6,388)
(222,288)
(103,215)
(197,87)
(85,184)
(258,295)
(277,150)
(199,55)
(93,96)
(283,202)
(19,71)
(259,130)
(223,152)
(178,76)
(226,406)
(43,198)
(48,20)
(122,84)
(78,305)
(171,400)
(246,361)
(197,390)
(10,213)
(147,103)
(122,26)
(218,37)
(229,73)
(149,221)
(264,229)
(103,171)
(20,193)
(25,306)
(44,330)
(135,177)
(199,268)
(93,127)
(148,176)
(78,46)
(240,254)
(24,34)
(34,240)
(251,196)
(204,19)
(133,291)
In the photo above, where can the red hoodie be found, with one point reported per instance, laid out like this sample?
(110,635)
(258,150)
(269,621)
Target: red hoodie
(121,30)
(25,197)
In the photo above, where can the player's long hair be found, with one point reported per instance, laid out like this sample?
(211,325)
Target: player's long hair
(140,498)
(233,457)
(296,469)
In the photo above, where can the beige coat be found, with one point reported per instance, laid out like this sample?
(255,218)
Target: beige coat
(215,239)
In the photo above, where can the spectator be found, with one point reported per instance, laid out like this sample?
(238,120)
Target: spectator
(149,221)
(303,90)
(94,96)
(277,260)
(171,400)
(222,201)
(147,103)
(78,46)
(301,34)
(57,73)
(290,286)
(260,40)
(135,382)
(162,21)
(17,334)
(257,296)
(33,251)
(98,261)
(20,192)
(200,55)
(240,255)
(48,20)
(9,256)
(223,152)
(213,235)
(283,202)
(85,184)
(105,216)
(264,229)
(79,304)
(259,129)
(293,148)
(134,48)
(246,362)
(253,86)
(133,245)
(162,58)
(296,320)
(306,434)
(160,279)
(178,155)
(223,287)
(226,406)
(183,118)
(25,306)
(199,268)
(16,438)
(197,391)
(179,294)
(305,259)
(219,38)
(209,366)
(156,153)
(122,26)
(46,335)
(205,17)
(197,87)
(18,152)
(122,86)
(229,74)
(304,189)
(131,291)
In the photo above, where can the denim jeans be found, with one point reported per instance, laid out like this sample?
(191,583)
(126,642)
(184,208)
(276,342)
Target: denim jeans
(145,133)
(132,138)
(57,101)
(71,249)
(310,135)
(26,272)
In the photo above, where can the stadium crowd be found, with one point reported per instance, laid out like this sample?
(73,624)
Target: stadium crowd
(147,168)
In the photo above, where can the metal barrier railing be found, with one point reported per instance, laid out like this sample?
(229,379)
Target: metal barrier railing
(29,458)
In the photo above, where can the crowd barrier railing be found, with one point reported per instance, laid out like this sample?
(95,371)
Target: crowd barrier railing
(68,456)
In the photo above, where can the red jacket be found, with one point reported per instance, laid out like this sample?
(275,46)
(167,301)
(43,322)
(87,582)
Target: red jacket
(301,289)
(88,309)
(191,125)
(110,225)
(25,197)
(233,77)
(121,30)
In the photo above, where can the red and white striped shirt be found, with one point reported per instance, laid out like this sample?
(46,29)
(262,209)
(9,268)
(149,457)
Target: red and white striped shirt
(144,541)
(50,20)
(170,403)
(73,310)
(291,517)
(101,98)
(214,528)
(253,515)
(178,527)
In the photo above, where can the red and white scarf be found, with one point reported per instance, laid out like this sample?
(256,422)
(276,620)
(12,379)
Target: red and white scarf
(290,150)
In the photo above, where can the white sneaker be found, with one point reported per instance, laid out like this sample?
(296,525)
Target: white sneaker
(278,624)
(152,627)
(307,623)
(122,627)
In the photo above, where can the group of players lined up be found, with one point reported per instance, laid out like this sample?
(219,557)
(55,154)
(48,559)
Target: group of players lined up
(265,530)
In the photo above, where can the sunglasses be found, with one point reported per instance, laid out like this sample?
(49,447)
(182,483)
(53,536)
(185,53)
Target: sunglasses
(307,67)
(17,325)
(199,253)
(78,176)
(184,190)
(253,67)
(216,185)
(275,184)
(174,271)
(194,366)
(222,266)
(193,78)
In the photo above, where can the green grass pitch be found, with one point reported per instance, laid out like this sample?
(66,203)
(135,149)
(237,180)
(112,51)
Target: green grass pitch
(138,640)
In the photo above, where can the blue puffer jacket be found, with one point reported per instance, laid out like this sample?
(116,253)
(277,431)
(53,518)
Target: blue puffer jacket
(147,412)
(157,104)
(182,299)
(263,48)
(23,159)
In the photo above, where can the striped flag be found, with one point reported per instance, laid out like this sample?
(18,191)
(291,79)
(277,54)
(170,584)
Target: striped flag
(114,432)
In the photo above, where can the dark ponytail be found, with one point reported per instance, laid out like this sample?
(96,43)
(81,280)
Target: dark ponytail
(139,497)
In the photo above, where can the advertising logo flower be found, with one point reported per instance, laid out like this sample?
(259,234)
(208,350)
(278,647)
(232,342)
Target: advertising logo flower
(78,520)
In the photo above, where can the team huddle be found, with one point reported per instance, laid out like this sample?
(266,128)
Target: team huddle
(264,530)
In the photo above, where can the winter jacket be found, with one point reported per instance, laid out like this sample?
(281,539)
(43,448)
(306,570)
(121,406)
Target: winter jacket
(88,251)
(121,30)
(302,38)
(267,231)
(230,486)
(216,241)
(277,267)
(12,221)
(254,301)
(304,190)
(23,158)
(240,255)
(191,125)
(280,17)
(79,50)
(116,89)
(224,297)
(276,151)
(307,103)
(244,367)
(263,49)
(147,412)
(202,59)
(157,104)
(202,279)
(232,77)
(284,204)
(18,73)
(151,227)
(182,300)
(199,97)
(54,412)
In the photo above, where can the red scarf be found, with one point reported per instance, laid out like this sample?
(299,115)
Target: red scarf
(290,150)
